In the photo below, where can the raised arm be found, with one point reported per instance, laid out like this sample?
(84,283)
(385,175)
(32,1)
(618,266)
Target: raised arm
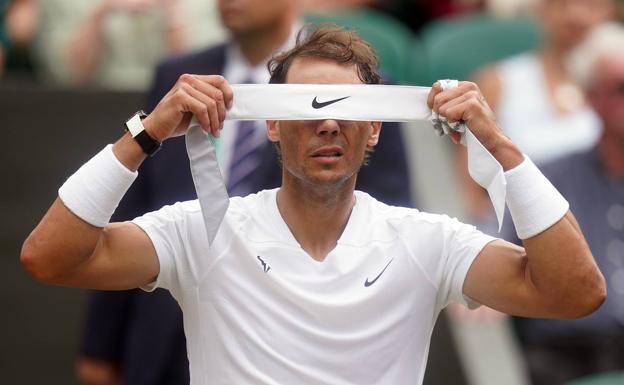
(72,250)
(554,275)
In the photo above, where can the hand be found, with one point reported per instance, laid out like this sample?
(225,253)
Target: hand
(205,96)
(466,103)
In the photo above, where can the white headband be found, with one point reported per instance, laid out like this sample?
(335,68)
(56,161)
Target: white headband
(330,101)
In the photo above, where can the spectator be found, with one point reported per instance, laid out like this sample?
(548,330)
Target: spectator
(593,182)
(540,107)
(18,23)
(121,326)
(116,43)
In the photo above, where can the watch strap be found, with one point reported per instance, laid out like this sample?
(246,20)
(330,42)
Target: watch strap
(134,125)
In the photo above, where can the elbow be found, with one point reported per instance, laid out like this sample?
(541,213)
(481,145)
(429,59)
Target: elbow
(590,300)
(34,262)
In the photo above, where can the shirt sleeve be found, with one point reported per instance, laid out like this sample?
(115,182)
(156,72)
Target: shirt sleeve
(174,235)
(462,244)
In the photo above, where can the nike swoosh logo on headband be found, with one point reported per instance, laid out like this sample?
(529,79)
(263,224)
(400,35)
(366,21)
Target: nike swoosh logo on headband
(316,104)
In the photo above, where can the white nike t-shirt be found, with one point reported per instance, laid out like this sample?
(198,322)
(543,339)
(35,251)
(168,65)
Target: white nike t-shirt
(259,310)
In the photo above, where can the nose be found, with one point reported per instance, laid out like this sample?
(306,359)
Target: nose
(328,127)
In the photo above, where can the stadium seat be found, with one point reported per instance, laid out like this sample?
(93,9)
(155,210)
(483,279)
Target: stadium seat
(417,67)
(456,47)
(391,39)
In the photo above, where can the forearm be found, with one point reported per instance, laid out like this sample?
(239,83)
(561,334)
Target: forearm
(559,265)
(128,152)
(561,268)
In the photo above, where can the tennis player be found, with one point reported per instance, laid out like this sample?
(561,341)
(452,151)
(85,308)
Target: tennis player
(314,282)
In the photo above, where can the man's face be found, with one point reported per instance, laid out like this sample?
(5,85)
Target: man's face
(322,151)
(248,16)
(569,21)
(606,93)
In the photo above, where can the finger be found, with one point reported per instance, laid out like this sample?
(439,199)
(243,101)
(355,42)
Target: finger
(436,88)
(191,83)
(189,103)
(457,111)
(210,90)
(445,96)
(468,86)
(228,94)
(213,114)
(219,82)
(443,109)
(224,86)
(210,95)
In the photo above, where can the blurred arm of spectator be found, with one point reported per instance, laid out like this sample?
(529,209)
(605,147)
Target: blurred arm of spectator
(97,372)
(86,45)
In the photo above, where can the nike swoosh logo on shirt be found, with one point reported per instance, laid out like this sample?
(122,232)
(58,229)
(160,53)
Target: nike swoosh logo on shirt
(367,283)
(316,104)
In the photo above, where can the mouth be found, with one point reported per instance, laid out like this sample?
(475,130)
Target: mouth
(328,152)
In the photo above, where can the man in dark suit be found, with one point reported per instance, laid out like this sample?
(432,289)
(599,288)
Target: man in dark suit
(136,337)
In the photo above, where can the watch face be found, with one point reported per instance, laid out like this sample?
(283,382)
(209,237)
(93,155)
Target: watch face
(148,144)
(134,124)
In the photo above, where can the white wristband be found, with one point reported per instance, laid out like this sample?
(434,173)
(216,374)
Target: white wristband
(534,203)
(94,191)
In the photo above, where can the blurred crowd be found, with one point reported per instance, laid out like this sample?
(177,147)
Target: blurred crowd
(117,43)
(556,85)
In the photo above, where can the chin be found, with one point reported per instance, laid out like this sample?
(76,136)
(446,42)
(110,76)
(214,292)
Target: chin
(331,177)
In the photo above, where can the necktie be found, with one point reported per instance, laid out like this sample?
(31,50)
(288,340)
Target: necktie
(245,158)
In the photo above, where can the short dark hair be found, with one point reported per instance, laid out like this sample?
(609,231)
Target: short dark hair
(331,42)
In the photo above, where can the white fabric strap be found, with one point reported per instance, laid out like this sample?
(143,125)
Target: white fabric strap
(482,166)
(94,191)
(211,192)
(344,102)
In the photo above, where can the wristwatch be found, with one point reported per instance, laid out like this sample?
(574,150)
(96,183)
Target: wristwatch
(149,145)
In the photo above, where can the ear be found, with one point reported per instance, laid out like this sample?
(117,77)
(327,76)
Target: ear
(374,136)
(273,130)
